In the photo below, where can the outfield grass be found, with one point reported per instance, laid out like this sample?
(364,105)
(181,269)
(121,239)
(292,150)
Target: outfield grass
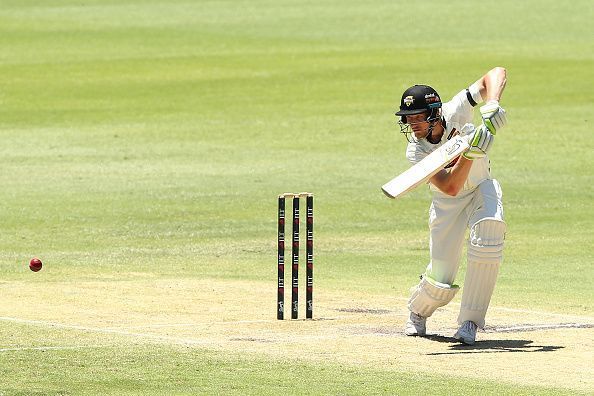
(153,370)
(147,140)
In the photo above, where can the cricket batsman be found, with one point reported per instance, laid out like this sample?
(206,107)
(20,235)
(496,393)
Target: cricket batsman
(464,196)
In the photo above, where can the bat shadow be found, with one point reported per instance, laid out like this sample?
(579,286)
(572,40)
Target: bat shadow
(490,346)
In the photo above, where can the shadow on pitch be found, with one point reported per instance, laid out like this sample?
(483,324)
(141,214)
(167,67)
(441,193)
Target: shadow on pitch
(490,346)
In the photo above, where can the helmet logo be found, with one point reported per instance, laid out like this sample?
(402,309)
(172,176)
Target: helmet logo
(431,98)
(408,100)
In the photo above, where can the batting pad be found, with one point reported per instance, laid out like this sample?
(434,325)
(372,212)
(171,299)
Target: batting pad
(429,295)
(485,253)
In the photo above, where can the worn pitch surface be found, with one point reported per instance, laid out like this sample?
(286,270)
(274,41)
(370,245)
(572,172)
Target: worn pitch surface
(517,346)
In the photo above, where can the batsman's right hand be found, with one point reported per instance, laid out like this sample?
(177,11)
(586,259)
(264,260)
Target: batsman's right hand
(493,116)
(480,143)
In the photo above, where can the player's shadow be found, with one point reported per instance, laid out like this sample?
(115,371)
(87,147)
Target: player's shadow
(490,346)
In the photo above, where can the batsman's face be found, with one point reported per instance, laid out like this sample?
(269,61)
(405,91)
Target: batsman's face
(419,124)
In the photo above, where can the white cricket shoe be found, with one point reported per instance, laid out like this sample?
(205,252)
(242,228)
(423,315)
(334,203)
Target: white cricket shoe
(415,325)
(467,333)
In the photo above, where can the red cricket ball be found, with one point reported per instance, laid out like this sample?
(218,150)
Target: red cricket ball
(35,264)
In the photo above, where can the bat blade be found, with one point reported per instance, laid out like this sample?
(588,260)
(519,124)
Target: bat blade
(426,168)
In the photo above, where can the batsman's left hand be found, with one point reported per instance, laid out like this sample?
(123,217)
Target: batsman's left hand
(480,143)
(493,116)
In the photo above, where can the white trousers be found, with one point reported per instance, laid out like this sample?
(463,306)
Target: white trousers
(449,217)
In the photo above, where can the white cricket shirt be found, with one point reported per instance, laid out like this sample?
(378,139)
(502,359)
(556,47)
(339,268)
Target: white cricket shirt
(457,114)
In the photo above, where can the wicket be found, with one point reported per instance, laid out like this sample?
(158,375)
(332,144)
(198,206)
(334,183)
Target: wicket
(295,256)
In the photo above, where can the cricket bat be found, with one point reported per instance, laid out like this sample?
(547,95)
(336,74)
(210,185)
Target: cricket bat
(426,168)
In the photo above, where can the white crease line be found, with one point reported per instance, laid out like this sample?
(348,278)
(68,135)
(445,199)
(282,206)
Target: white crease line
(450,307)
(517,310)
(400,334)
(292,339)
(558,315)
(538,327)
(230,322)
(177,340)
(53,348)
(157,325)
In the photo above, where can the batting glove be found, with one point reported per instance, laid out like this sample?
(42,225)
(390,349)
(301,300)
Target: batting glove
(480,143)
(493,116)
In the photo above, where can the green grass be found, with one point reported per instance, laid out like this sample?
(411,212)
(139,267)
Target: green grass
(154,370)
(150,137)
(121,367)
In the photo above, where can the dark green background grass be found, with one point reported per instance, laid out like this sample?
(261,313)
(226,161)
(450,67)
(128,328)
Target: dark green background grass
(150,136)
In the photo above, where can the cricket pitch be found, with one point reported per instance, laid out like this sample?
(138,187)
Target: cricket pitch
(517,346)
